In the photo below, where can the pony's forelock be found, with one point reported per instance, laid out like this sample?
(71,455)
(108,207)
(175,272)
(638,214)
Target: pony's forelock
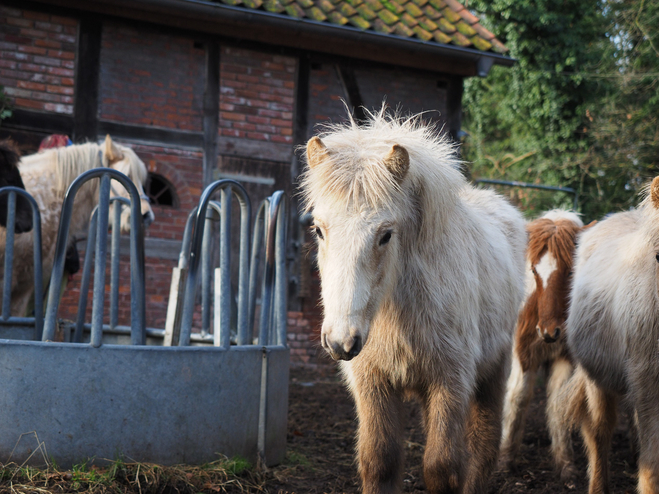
(355,172)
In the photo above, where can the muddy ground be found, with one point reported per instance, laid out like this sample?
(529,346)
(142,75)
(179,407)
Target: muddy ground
(321,435)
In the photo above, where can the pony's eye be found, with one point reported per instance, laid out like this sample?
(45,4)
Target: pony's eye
(318,232)
(385,238)
(657,257)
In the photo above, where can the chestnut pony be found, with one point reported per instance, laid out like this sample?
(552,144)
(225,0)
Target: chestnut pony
(539,337)
(422,277)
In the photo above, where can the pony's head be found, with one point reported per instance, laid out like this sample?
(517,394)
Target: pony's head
(124,159)
(550,254)
(364,189)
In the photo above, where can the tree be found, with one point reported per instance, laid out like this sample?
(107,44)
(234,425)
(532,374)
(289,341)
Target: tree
(555,118)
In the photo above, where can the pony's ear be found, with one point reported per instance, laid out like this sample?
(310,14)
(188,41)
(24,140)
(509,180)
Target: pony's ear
(592,223)
(398,162)
(112,152)
(316,151)
(654,192)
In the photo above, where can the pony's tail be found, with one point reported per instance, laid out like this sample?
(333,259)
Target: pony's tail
(570,408)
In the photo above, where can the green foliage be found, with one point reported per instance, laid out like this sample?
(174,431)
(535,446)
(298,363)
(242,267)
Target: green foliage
(5,105)
(579,107)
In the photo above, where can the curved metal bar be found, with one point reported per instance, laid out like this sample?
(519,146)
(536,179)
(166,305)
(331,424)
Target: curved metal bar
(118,202)
(138,316)
(274,206)
(206,269)
(257,244)
(86,276)
(281,289)
(190,284)
(9,256)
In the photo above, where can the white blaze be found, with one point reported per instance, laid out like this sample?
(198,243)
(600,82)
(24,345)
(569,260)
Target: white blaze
(545,267)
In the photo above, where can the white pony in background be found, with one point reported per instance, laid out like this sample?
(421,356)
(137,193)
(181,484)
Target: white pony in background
(613,336)
(47,176)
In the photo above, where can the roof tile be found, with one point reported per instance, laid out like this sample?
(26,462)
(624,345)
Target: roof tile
(316,14)
(359,22)
(408,20)
(446,26)
(388,17)
(480,43)
(337,18)
(437,21)
(366,13)
(402,30)
(273,6)
(431,12)
(460,39)
(422,33)
(465,28)
(294,10)
(381,27)
(440,37)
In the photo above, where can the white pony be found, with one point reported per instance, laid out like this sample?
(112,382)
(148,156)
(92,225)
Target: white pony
(422,277)
(46,176)
(613,336)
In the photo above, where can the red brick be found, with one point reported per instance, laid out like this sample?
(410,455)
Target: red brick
(39,16)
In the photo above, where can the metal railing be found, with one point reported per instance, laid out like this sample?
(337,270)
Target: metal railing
(6,317)
(138,315)
(513,183)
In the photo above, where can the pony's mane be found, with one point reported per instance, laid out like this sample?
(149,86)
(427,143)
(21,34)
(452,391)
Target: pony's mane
(71,161)
(355,172)
(556,236)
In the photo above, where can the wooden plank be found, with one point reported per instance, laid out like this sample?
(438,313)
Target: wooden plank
(155,135)
(454,106)
(211,119)
(351,90)
(260,150)
(47,123)
(88,65)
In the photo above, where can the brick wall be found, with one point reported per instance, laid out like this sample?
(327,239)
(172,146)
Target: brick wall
(37,59)
(325,95)
(411,91)
(257,94)
(151,78)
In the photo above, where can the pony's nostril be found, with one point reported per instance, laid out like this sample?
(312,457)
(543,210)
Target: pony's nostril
(356,347)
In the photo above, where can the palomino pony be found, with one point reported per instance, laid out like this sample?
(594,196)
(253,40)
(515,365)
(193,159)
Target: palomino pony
(422,276)
(47,175)
(613,337)
(539,337)
(10,176)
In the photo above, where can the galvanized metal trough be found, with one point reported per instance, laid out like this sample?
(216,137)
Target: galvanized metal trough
(163,396)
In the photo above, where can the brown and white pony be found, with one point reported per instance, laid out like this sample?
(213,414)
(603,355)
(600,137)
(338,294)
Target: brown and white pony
(539,338)
(10,176)
(47,175)
(422,276)
(613,337)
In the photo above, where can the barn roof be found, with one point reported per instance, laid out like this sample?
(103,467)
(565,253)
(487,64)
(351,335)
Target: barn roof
(445,22)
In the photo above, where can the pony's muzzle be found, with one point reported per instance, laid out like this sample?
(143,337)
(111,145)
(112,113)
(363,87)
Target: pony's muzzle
(547,336)
(343,350)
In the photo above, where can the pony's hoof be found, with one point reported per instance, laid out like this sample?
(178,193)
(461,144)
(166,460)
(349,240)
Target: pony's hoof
(568,472)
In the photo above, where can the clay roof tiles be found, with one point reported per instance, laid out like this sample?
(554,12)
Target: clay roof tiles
(435,21)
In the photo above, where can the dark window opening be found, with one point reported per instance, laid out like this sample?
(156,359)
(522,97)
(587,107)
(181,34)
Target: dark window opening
(160,191)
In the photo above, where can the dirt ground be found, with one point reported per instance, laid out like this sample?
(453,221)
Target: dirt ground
(321,435)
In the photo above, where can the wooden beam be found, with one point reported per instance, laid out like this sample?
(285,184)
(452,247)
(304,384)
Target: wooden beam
(351,90)
(211,119)
(454,91)
(155,135)
(48,123)
(85,113)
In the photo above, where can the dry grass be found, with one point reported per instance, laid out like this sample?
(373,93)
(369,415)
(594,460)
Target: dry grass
(222,476)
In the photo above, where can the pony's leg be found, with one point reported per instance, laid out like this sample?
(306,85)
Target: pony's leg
(646,399)
(379,436)
(518,396)
(561,440)
(597,431)
(484,429)
(444,460)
